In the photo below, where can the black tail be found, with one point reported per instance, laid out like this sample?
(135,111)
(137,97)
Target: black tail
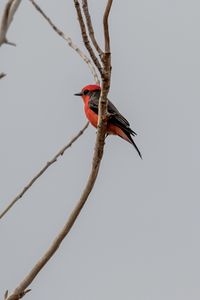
(133,143)
(124,126)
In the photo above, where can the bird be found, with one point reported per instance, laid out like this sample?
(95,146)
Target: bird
(117,124)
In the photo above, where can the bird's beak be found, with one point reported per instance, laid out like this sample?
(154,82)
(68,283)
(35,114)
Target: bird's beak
(79,94)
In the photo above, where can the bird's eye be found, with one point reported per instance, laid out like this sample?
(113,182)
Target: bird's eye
(85,92)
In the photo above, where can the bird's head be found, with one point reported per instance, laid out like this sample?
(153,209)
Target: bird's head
(89,90)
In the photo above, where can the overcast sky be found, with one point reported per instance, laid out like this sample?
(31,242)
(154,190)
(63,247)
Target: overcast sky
(138,235)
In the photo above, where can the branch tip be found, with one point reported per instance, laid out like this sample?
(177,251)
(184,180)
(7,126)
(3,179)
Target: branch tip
(10,43)
(105,25)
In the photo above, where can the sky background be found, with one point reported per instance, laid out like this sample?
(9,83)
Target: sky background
(138,234)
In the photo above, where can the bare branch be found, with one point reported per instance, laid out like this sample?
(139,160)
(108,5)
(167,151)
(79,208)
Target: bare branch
(105,25)
(2,75)
(48,164)
(68,40)
(90,27)
(8,14)
(72,218)
(97,157)
(85,37)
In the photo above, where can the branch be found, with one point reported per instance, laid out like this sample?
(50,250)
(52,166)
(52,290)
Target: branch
(85,37)
(90,27)
(2,75)
(97,157)
(48,164)
(68,40)
(105,25)
(8,14)
(98,153)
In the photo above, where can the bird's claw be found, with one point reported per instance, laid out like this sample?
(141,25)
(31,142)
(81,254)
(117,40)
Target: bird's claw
(110,115)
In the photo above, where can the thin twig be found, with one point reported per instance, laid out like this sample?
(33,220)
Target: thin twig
(90,27)
(85,37)
(48,164)
(7,17)
(98,154)
(68,40)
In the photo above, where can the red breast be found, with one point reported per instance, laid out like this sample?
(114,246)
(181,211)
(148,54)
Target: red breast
(92,116)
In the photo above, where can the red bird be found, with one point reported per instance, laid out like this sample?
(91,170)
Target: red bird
(117,124)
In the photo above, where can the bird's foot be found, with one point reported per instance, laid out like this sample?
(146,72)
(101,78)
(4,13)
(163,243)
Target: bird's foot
(110,115)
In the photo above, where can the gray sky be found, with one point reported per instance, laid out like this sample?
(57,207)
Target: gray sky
(138,235)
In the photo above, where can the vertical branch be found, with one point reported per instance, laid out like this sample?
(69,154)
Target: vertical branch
(85,37)
(90,27)
(105,25)
(106,76)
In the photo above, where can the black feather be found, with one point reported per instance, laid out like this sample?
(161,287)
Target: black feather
(115,117)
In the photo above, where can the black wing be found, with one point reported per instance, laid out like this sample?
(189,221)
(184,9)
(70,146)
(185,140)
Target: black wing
(115,117)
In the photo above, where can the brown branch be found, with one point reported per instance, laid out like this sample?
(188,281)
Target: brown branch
(68,40)
(2,75)
(85,37)
(105,25)
(48,164)
(8,14)
(90,27)
(97,157)
(18,292)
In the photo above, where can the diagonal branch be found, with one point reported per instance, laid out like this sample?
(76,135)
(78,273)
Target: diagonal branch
(90,27)
(85,37)
(68,40)
(48,164)
(98,153)
(8,14)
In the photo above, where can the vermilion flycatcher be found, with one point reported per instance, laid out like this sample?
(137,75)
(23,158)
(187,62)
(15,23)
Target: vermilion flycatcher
(117,124)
